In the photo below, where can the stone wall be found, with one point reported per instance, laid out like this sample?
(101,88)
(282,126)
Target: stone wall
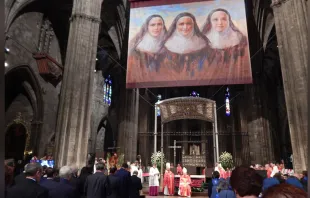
(24,39)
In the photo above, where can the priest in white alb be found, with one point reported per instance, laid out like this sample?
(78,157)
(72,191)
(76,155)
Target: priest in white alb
(153,181)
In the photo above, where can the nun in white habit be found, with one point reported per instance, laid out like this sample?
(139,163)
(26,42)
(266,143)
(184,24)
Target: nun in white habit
(185,45)
(145,49)
(226,39)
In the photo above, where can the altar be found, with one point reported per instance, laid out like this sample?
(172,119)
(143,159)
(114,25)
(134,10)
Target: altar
(196,180)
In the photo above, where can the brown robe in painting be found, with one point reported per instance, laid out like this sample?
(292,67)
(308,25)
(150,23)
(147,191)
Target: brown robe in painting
(143,65)
(182,66)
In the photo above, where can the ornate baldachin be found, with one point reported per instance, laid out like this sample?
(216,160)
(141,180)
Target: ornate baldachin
(85,16)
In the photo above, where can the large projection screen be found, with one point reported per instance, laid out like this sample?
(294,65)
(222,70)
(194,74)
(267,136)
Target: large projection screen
(188,43)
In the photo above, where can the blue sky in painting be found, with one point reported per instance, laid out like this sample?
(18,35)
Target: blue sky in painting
(199,9)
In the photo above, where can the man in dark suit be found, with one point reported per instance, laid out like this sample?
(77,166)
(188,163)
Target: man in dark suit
(74,181)
(21,177)
(60,189)
(97,185)
(135,186)
(115,184)
(29,188)
(124,176)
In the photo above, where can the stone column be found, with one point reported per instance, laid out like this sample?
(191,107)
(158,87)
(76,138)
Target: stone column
(258,125)
(34,139)
(144,140)
(292,34)
(128,130)
(135,115)
(76,98)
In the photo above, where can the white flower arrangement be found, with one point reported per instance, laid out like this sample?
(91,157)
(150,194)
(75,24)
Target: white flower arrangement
(156,158)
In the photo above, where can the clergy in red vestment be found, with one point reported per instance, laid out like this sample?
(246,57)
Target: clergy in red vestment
(168,181)
(185,181)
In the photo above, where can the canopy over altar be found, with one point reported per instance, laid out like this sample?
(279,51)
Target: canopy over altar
(186,108)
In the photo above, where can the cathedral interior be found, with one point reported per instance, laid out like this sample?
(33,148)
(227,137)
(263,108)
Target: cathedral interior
(39,46)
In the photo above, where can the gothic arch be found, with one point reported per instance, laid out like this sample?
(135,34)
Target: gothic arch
(22,79)
(109,135)
(14,13)
(59,21)
(25,75)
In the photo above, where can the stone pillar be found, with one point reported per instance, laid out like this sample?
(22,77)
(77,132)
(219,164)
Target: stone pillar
(135,115)
(144,140)
(291,26)
(128,131)
(76,98)
(261,150)
(34,140)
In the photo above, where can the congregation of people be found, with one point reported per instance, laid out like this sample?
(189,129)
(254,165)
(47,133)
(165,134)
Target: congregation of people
(46,182)
(126,181)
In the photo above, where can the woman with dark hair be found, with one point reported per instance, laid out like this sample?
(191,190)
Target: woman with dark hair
(246,182)
(185,47)
(226,39)
(284,190)
(145,52)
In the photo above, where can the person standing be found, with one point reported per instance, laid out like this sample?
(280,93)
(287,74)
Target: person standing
(115,184)
(135,185)
(124,175)
(153,181)
(61,189)
(29,187)
(97,185)
(168,181)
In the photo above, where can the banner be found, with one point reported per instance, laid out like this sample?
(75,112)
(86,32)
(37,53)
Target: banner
(188,43)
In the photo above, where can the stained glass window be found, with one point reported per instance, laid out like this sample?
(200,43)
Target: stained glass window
(227,95)
(107,90)
(194,94)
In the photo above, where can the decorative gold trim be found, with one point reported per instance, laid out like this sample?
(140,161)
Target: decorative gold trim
(19,120)
(186,108)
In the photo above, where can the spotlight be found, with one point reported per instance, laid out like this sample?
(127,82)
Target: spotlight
(95,71)
(6,64)
(7,50)
(96,59)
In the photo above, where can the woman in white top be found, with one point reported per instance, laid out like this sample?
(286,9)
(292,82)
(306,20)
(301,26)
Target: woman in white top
(153,181)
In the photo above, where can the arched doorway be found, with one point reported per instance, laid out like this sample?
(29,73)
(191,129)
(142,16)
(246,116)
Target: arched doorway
(23,96)
(15,141)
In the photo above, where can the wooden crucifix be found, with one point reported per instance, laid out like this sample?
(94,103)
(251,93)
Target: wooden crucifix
(114,147)
(174,151)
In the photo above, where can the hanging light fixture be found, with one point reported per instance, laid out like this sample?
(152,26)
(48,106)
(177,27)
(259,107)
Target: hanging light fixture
(227,95)
(194,94)
(157,108)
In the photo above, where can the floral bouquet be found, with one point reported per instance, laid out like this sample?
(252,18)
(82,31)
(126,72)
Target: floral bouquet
(156,159)
(226,160)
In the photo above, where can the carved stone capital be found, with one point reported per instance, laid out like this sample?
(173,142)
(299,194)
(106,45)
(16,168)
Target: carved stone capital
(85,16)
(277,3)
